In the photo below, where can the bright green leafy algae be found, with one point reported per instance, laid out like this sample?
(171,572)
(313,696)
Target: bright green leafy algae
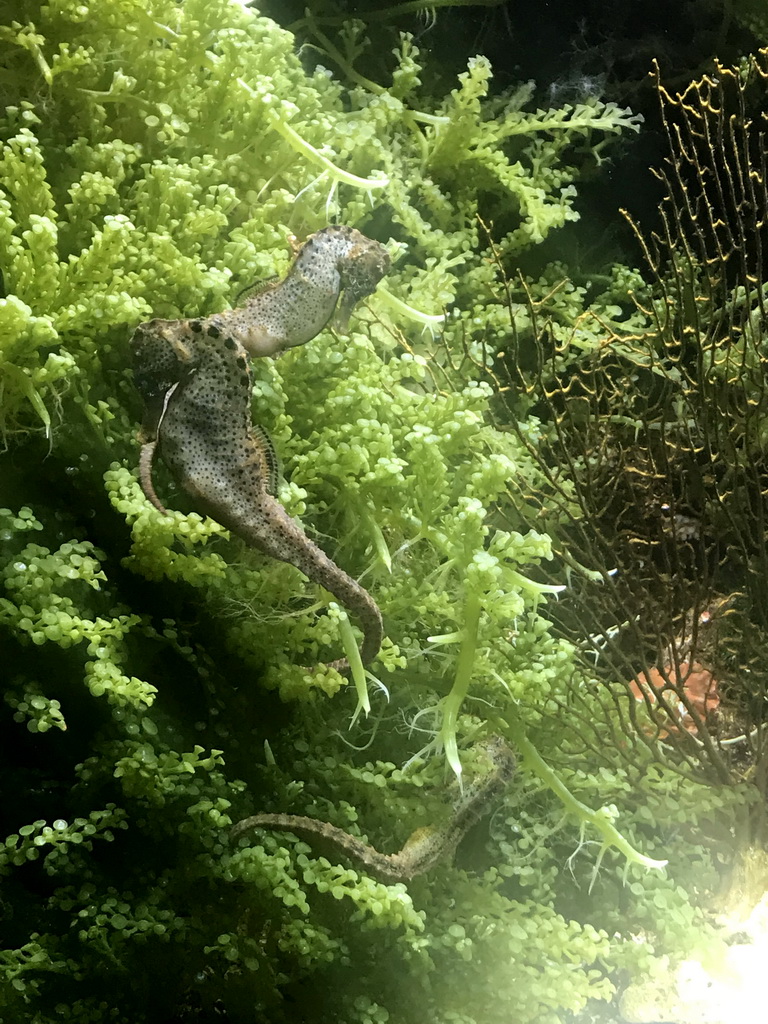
(156,157)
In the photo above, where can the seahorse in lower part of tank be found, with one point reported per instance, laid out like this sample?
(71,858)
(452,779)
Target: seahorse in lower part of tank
(194,378)
(423,848)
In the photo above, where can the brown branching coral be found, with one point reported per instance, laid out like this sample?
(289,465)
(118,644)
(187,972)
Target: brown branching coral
(653,436)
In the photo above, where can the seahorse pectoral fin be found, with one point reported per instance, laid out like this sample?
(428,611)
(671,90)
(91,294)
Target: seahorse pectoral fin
(340,321)
(259,341)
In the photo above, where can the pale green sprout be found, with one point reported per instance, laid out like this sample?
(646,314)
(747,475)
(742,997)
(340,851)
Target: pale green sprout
(483,565)
(294,140)
(464,665)
(408,116)
(429,320)
(355,666)
(26,37)
(602,819)
(573,565)
(379,542)
(22,382)
(536,590)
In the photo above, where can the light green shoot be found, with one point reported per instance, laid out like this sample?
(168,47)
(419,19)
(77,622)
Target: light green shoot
(30,392)
(429,320)
(451,705)
(313,155)
(379,542)
(356,668)
(601,819)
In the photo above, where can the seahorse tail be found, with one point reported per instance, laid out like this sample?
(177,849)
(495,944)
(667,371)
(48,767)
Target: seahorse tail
(270,529)
(145,475)
(359,602)
(373,628)
(382,865)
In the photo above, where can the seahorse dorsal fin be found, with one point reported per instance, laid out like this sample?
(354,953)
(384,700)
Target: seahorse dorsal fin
(271,460)
(255,288)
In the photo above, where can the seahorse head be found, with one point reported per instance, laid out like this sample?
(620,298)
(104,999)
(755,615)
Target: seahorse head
(159,355)
(334,269)
(360,270)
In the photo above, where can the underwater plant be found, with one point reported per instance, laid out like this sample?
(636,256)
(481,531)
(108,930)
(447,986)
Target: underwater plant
(156,158)
(658,412)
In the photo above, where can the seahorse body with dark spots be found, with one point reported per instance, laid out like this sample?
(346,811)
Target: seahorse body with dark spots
(194,378)
(425,847)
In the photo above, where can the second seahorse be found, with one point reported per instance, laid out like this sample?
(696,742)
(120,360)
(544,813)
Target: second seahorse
(425,847)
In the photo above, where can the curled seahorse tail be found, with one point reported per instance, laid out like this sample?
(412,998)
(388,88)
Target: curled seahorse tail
(145,476)
(373,633)
(270,529)
(359,602)
(319,568)
(352,597)
(373,630)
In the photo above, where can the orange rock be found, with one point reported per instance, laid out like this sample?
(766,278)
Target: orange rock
(696,683)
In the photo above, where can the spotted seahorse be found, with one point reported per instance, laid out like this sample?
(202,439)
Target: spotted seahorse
(424,847)
(194,378)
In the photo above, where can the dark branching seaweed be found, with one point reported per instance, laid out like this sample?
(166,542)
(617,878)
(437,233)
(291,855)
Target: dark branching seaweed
(653,436)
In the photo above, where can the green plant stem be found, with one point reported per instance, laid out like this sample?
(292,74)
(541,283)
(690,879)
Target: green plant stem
(599,819)
(314,156)
(454,700)
(356,669)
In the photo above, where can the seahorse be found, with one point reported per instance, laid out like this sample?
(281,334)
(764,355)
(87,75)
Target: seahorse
(423,848)
(194,377)
(335,262)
